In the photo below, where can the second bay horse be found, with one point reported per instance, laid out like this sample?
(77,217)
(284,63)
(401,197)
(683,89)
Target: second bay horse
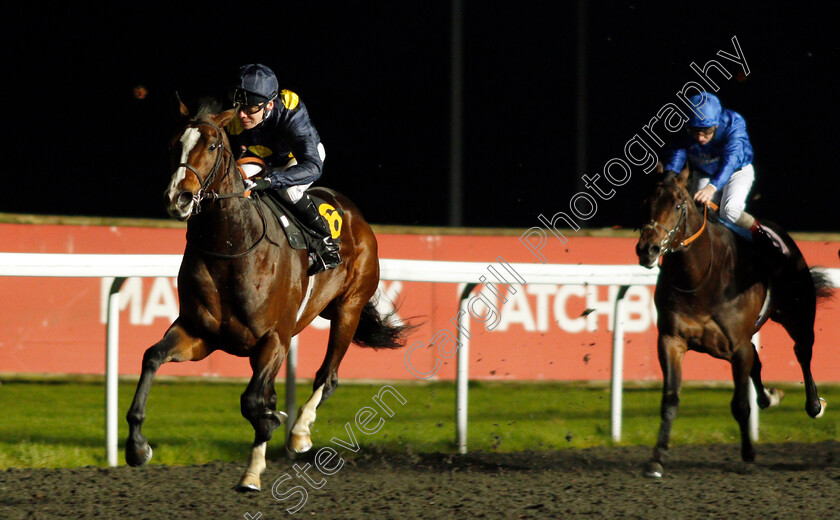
(714,291)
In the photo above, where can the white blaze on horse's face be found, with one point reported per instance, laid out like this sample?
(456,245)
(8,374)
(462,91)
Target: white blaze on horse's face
(181,207)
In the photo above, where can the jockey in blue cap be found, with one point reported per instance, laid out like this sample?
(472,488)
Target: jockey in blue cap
(718,150)
(274,125)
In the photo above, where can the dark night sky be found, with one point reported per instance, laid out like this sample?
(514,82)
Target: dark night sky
(375,78)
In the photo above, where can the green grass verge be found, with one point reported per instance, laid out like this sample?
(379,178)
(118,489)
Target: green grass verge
(62,424)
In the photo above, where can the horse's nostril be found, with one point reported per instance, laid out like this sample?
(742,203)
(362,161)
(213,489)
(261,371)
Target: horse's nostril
(184,199)
(654,249)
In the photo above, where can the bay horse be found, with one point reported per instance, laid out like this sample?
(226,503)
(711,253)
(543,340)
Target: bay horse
(716,290)
(243,290)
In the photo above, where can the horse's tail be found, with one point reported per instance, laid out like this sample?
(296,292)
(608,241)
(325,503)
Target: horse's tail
(376,330)
(823,287)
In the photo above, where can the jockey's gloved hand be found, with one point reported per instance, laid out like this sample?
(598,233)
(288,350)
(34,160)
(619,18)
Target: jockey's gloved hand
(257,184)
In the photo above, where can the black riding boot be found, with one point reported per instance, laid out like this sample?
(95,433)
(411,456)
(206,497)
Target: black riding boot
(326,249)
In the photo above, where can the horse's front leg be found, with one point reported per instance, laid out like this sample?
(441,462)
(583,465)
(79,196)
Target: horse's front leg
(259,405)
(742,364)
(176,345)
(671,350)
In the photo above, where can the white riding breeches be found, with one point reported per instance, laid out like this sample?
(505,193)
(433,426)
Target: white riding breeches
(732,197)
(294,193)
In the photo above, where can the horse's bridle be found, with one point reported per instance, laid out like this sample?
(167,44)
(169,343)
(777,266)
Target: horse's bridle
(204,182)
(205,194)
(666,244)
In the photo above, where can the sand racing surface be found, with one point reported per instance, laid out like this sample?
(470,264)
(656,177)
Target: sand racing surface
(710,481)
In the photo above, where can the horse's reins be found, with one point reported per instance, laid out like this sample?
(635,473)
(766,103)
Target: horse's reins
(203,193)
(665,244)
(693,237)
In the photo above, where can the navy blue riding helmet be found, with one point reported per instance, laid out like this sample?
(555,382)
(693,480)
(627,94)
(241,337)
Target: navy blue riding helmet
(710,111)
(256,84)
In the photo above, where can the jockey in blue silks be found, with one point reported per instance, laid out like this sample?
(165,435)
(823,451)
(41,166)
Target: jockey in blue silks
(718,150)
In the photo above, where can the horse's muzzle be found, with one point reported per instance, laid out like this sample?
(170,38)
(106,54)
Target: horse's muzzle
(648,253)
(180,206)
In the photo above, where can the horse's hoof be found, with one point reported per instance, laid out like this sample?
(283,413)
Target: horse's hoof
(775,396)
(299,443)
(137,455)
(248,483)
(822,408)
(748,455)
(654,470)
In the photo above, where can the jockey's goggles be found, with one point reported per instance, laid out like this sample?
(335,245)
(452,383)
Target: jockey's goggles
(250,109)
(244,98)
(704,130)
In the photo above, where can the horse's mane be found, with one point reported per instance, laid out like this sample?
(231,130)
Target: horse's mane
(669,180)
(208,106)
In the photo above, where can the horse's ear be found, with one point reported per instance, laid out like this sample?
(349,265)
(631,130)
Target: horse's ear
(660,168)
(682,178)
(225,117)
(182,108)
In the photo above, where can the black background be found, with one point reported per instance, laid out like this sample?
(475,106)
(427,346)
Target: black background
(375,77)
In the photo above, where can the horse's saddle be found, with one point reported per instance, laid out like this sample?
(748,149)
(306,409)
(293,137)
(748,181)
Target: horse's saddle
(772,235)
(299,235)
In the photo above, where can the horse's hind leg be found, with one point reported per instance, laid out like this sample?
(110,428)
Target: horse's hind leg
(671,351)
(766,396)
(742,365)
(803,338)
(259,405)
(343,325)
(176,345)
(797,317)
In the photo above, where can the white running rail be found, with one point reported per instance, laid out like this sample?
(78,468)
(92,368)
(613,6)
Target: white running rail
(121,267)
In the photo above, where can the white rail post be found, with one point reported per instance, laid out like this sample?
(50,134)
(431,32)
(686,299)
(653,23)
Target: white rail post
(617,365)
(753,396)
(112,353)
(463,369)
(291,375)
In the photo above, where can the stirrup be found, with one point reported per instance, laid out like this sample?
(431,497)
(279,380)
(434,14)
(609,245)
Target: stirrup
(324,256)
(318,264)
(330,258)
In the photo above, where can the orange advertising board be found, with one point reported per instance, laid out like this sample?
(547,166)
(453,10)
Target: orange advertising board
(537,331)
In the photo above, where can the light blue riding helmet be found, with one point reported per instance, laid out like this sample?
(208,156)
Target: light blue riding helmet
(710,111)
